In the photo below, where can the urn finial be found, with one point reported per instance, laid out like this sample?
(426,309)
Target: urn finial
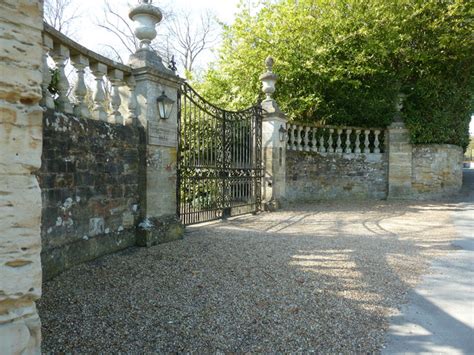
(145,17)
(268,79)
(398,107)
(269,63)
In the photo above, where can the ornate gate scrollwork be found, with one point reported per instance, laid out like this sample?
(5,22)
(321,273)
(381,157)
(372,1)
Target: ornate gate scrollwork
(219,159)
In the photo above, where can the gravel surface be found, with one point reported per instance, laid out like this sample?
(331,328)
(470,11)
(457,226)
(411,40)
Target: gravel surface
(320,277)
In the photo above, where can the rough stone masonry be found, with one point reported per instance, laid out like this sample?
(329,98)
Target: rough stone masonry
(89,182)
(315,176)
(20,156)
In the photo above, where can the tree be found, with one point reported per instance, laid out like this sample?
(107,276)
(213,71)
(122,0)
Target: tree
(61,14)
(189,40)
(180,35)
(345,61)
(121,28)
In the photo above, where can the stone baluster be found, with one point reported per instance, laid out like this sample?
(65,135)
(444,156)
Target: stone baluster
(306,139)
(291,136)
(60,54)
(330,142)
(299,138)
(47,100)
(99,70)
(80,62)
(339,141)
(366,141)
(314,141)
(348,148)
(132,102)
(322,147)
(116,79)
(357,142)
(376,142)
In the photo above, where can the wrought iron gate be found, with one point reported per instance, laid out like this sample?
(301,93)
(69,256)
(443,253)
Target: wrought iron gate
(219,159)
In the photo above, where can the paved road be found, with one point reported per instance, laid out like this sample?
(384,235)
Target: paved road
(440,315)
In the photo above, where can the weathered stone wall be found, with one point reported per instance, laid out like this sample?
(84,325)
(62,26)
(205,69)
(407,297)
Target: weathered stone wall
(315,176)
(400,161)
(436,170)
(89,179)
(20,152)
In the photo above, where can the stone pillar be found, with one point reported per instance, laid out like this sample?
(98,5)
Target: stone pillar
(399,157)
(159,222)
(273,143)
(21,23)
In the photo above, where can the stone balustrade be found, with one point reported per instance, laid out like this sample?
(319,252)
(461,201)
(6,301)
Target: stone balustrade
(334,140)
(73,98)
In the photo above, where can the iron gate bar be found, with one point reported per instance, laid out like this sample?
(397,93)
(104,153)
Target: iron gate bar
(219,159)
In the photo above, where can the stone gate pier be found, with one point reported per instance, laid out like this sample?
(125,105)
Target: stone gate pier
(21,24)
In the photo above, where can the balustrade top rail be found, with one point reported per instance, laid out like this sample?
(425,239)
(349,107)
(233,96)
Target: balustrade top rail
(105,106)
(75,49)
(320,125)
(334,139)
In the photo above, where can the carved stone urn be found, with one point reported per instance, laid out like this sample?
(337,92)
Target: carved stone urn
(145,17)
(268,79)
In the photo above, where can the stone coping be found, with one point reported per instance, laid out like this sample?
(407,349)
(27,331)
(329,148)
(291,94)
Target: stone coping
(75,48)
(322,126)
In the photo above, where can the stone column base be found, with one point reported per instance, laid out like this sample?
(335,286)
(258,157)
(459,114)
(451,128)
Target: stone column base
(155,231)
(271,206)
(22,334)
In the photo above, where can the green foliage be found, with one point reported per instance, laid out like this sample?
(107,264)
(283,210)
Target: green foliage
(469,153)
(53,85)
(344,61)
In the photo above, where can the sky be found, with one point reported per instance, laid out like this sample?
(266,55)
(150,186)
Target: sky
(86,32)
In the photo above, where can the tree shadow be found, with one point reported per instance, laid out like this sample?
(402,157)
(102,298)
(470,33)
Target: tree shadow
(317,278)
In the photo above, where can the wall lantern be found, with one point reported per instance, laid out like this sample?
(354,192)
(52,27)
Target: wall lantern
(165,106)
(282,132)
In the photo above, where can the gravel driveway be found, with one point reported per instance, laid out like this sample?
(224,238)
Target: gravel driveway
(320,277)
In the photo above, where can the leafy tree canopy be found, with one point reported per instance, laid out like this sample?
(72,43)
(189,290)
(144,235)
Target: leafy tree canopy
(344,62)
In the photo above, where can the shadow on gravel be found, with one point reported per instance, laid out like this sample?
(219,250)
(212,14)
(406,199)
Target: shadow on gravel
(310,278)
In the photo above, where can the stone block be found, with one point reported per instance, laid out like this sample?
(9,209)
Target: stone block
(437,170)
(314,176)
(20,198)
(20,211)
(159,230)
(57,260)
(21,137)
(96,226)
(83,163)
(161,181)
(21,64)
(22,14)
(20,330)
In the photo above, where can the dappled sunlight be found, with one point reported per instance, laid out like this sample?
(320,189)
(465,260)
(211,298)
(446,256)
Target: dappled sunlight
(340,278)
(344,266)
